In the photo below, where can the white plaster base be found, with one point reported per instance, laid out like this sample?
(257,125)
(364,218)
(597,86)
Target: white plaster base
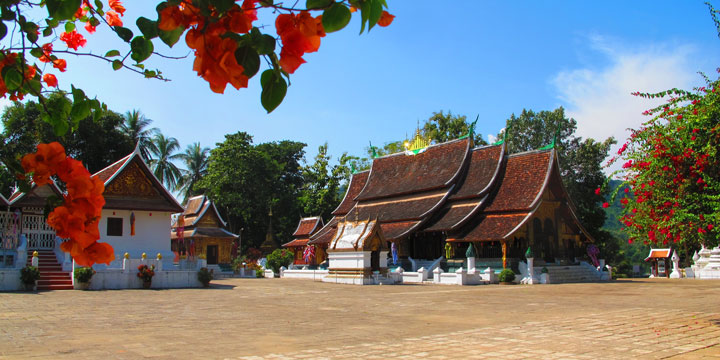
(10,280)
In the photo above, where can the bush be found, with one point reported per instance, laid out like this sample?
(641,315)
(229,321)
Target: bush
(83,274)
(29,274)
(279,258)
(204,275)
(506,275)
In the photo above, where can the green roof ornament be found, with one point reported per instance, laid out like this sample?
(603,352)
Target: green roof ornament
(505,132)
(529,254)
(374,153)
(471,129)
(470,253)
(554,142)
(353,170)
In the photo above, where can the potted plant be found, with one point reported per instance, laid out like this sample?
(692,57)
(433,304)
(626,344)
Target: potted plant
(146,273)
(204,276)
(29,276)
(506,277)
(82,277)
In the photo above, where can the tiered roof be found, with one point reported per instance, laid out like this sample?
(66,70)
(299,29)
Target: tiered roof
(36,197)
(306,228)
(130,185)
(202,219)
(479,194)
(659,254)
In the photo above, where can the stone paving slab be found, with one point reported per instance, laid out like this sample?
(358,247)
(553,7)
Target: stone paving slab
(300,319)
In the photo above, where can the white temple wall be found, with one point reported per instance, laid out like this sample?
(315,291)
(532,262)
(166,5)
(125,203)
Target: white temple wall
(152,233)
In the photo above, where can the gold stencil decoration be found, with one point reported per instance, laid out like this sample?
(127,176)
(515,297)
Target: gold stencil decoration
(132,182)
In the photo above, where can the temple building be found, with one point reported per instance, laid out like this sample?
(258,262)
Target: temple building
(136,215)
(201,231)
(306,228)
(437,200)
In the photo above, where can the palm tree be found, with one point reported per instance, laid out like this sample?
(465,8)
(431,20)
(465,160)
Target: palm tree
(136,126)
(163,150)
(196,162)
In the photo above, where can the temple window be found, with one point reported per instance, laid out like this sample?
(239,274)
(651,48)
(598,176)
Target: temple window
(114,226)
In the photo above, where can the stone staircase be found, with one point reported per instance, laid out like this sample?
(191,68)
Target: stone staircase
(52,276)
(569,274)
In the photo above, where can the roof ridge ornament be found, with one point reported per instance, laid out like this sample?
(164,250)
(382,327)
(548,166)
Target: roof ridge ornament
(554,142)
(418,145)
(505,132)
(374,154)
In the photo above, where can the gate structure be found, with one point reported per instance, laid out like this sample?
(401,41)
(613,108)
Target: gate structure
(40,236)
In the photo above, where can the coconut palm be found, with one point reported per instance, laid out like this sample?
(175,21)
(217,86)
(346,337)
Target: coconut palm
(196,162)
(136,126)
(163,152)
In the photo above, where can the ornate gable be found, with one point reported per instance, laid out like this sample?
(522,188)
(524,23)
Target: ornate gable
(131,182)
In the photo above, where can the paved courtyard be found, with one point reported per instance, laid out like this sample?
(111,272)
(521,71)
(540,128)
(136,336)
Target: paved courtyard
(298,319)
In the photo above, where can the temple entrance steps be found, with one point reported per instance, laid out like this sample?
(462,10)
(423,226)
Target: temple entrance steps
(561,274)
(52,276)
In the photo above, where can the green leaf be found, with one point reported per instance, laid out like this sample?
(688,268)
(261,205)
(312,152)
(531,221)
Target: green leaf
(98,5)
(69,26)
(32,37)
(3,30)
(112,53)
(171,37)
(336,17)
(376,9)
(318,4)
(274,89)
(33,86)
(36,52)
(222,5)
(141,48)
(7,14)
(53,23)
(13,78)
(123,33)
(47,32)
(249,59)
(80,110)
(117,64)
(147,27)
(264,44)
(62,9)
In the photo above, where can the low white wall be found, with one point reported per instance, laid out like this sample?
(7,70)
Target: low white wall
(10,280)
(121,279)
(316,275)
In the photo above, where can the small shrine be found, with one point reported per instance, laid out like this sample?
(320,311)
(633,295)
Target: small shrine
(659,262)
(357,253)
(201,231)
(306,255)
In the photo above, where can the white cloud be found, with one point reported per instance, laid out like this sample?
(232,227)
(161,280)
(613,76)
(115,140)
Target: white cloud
(600,98)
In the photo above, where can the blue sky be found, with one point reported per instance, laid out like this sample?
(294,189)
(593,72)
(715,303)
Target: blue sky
(486,58)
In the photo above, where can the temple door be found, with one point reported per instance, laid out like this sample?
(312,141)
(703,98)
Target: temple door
(212,254)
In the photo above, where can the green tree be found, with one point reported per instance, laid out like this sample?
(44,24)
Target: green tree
(164,151)
(580,165)
(246,181)
(97,143)
(196,162)
(443,127)
(321,193)
(136,126)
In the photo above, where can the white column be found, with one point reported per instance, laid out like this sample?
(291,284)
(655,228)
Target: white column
(530,279)
(436,274)
(460,274)
(471,263)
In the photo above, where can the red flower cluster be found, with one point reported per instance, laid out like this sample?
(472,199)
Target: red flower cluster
(214,54)
(73,39)
(300,34)
(77,218)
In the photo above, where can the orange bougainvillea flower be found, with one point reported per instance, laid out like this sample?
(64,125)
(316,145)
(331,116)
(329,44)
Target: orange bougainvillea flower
(90,28)
(78,217)
(385,19)
(113,19)
(60,64)
(300,34)
(73,39)
(50,80)
(170,18)
(117,6)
